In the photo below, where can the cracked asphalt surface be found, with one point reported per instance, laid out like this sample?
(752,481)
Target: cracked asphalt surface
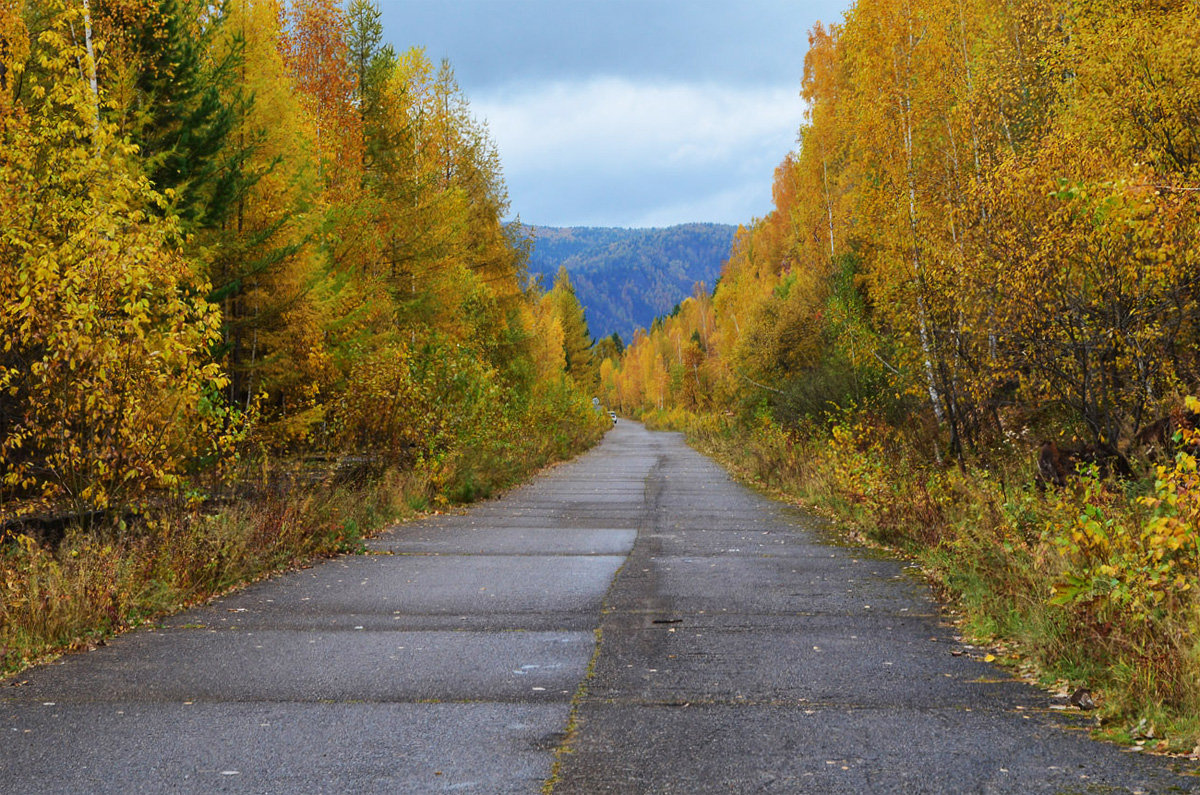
(739,651)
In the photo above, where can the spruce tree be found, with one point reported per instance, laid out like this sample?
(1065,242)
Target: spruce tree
(577,342)
(188,109)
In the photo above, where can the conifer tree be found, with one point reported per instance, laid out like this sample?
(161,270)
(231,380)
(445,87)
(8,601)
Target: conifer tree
(187,107)
(577,342)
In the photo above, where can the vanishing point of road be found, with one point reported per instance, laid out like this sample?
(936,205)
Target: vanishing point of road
(631,622)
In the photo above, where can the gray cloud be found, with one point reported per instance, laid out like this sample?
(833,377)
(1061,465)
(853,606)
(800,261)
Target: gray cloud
(615,152)
(500,41)
(627,112)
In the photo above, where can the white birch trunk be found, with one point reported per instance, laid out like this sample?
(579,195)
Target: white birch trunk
(828,205)
(905,107)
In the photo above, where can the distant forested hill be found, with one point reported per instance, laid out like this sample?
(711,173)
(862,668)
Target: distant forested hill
(626,277)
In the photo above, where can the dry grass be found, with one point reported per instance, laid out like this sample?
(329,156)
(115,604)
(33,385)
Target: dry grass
(104,580)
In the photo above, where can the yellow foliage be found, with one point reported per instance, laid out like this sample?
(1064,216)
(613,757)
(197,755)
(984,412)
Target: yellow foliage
(107,390)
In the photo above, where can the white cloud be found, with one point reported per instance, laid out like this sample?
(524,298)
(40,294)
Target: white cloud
(671,152)
(739,204)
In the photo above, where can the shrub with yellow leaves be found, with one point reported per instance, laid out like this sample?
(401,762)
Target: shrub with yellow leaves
(1129,580)
(1170,545)
(107,392)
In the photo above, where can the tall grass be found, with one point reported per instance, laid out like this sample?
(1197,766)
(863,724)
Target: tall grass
(102,580)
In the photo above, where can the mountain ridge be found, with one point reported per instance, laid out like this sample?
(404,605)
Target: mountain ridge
(626,277)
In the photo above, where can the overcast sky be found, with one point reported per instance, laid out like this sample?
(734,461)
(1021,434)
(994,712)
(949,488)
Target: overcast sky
(627,112)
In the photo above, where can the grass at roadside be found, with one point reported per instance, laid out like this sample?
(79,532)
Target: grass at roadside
(100,581)
(1092,586)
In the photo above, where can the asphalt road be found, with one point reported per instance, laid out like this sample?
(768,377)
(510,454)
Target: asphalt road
(731,649)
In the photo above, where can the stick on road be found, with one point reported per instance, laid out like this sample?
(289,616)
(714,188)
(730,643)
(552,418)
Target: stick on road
(738,652)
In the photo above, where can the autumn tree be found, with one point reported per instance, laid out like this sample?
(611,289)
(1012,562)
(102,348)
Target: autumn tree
(317,53)
(274,286)
(576,339)
(108,392)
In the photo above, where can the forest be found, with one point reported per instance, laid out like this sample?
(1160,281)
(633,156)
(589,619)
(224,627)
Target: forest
(257,298)
(969,330)
(626,277)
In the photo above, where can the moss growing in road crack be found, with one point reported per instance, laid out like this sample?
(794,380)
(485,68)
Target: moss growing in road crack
(564,747)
